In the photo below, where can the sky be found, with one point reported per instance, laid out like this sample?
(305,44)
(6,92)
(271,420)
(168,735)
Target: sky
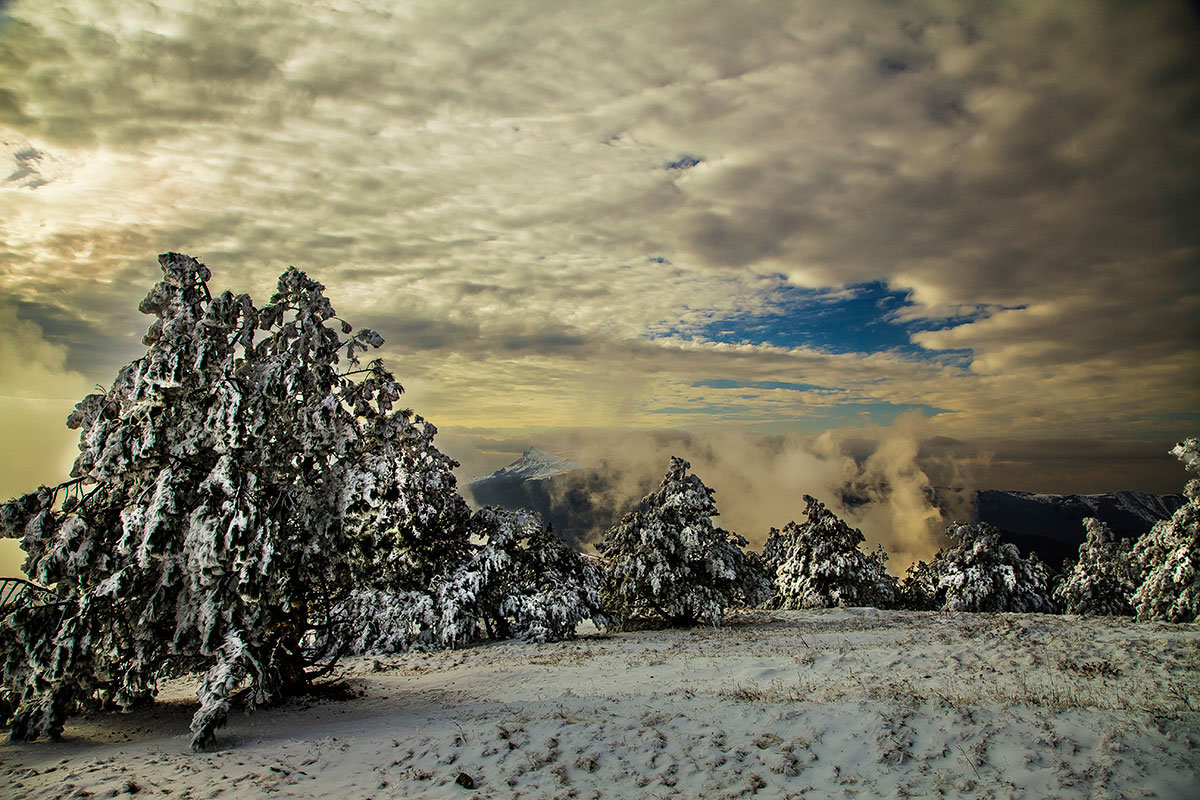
(963,234)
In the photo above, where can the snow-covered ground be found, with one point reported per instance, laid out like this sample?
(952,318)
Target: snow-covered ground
(838,703)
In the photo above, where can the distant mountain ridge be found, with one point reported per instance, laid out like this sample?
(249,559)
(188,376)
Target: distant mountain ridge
(1051,525)
(533,465)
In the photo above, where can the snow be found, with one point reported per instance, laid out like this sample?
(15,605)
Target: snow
(1188,451)
(533,465)
(815,703)
(1151,506)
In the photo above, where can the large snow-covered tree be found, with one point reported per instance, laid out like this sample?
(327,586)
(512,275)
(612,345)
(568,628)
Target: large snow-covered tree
(979,572)
(667,559)
(1103,579)
(819,564)
(232,485)
(1168,556)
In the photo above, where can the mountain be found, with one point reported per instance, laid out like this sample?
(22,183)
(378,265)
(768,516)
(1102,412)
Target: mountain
(567,495)
(533,465)
(1052,524)
(559,489)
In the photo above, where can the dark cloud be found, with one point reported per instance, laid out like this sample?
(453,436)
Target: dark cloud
(1034,157)
(88,86)
(413,335)
(1084,466)
(62,327)
(726,240)
(546,342)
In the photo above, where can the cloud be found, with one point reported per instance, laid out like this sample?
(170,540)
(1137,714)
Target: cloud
(488,188)
(877,481)
(37,392)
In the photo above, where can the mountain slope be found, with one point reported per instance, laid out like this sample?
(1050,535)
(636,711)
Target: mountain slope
(565,493)
(559,489)
(1052,525)
(533,465)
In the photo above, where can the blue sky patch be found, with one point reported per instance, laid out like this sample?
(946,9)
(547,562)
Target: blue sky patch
(862,318)
(841,414)
(721,383)
(683,162)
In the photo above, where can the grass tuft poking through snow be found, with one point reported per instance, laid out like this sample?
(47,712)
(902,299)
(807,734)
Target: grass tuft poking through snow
(826,703)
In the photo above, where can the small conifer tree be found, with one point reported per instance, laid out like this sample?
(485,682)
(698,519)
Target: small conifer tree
(1102,580)
(668,561)
(819,564)
(523,582)
(520,582)
(917,588)
(1168,556)
(980,572)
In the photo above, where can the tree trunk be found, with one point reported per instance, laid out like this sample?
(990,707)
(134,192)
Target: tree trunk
(293,674)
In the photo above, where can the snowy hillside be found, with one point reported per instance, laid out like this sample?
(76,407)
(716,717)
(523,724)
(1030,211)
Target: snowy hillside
(838,703)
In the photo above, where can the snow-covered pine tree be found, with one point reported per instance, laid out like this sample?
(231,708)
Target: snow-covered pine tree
(759,581)
(539,587)
(819,564)
(232,485)
(522,581)
(917,588)
(667,560)
(471,600)
(373,621)
(1168,556)
(1102,580)
(982,572)
(774,551)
